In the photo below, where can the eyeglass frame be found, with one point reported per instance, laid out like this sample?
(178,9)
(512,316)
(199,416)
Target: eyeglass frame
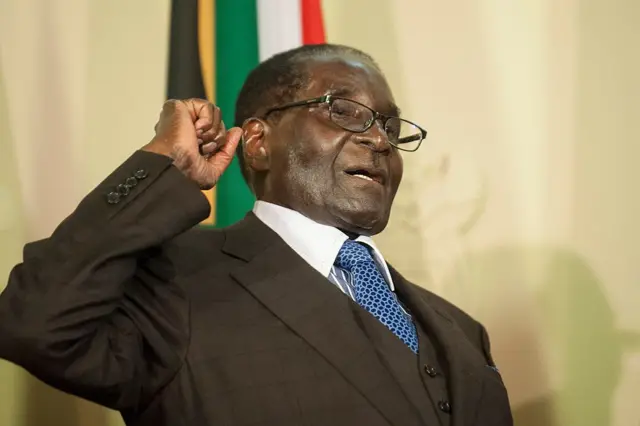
(328,99)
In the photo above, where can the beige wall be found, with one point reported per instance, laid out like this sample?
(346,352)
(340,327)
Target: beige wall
(521,208)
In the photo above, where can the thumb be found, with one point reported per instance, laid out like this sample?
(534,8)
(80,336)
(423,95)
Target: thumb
(221,159)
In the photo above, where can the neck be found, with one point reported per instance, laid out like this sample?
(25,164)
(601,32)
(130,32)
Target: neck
(351,235)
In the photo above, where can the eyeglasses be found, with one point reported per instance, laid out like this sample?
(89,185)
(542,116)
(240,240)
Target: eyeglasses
(358,118)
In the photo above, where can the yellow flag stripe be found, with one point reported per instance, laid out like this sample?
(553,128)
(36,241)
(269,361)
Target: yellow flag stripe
(206,43)
(206,46)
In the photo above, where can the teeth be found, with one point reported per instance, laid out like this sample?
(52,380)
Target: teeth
(363,177)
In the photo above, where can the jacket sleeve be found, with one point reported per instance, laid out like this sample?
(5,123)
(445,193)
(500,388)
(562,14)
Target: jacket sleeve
(94,309)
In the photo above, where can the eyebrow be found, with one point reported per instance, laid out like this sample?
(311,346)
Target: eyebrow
(346,92)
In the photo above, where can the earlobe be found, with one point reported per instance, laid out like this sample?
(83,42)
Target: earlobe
(255,144)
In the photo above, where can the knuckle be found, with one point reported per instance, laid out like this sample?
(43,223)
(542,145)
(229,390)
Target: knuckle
(170,105)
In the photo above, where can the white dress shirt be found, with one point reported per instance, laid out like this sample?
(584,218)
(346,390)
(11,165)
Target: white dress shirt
(317,244)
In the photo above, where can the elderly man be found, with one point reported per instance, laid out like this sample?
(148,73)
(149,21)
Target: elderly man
(291,316)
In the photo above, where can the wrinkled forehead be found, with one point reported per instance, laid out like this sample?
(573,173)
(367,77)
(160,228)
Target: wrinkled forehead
(351,78)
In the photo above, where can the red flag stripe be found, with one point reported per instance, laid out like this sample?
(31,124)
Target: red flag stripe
(312,22)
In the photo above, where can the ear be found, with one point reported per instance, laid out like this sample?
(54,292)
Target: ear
(255,144)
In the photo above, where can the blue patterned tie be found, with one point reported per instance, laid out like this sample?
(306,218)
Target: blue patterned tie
(373,293)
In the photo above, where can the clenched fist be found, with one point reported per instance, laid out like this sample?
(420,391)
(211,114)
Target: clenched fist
(192,133)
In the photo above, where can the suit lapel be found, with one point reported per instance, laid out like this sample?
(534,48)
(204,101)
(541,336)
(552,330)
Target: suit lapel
(315,310)
(464,385)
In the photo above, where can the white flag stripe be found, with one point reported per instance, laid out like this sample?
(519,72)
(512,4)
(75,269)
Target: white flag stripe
(279,26)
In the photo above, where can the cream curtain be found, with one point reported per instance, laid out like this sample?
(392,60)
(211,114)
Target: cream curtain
(521,208)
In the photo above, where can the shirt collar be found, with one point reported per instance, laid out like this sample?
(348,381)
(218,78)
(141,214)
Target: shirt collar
(316,243)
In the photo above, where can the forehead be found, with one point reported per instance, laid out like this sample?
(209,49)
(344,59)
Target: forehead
(349,77)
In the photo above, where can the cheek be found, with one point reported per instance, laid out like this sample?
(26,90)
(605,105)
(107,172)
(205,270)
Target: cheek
(309,168)
(397,169)
(313,148)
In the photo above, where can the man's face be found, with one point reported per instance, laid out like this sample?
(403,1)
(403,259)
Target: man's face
(317,168)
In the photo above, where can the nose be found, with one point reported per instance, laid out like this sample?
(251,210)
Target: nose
(375,138)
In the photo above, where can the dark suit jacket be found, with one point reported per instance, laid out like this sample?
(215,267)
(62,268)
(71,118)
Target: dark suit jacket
(128,306)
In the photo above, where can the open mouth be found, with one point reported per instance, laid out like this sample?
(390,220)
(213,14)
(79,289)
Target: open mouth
(365,174)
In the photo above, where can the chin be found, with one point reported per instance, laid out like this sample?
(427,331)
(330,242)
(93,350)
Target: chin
(362,219)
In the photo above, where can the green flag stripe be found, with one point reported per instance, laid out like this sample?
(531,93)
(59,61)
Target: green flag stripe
(236,55)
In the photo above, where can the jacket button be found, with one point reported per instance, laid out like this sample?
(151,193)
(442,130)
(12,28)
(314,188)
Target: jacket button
(113,198)
(141,174)
(444,406)
(131,182)
(123,189)
(430,370)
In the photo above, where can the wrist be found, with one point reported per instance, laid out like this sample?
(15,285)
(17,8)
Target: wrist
(157,146)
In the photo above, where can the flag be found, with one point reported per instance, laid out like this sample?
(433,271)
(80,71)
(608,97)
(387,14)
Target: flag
(214,45)
(191,70)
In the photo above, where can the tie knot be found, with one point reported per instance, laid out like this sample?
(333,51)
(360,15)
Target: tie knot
(351,253)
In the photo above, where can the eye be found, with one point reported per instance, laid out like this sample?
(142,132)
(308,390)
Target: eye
(345,108)
(393,129)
